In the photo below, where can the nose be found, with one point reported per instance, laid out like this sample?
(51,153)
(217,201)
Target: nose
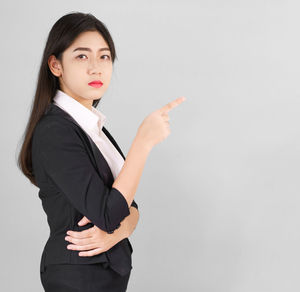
(95,67)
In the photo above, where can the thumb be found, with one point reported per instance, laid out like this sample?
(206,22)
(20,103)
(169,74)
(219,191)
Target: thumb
(83,221)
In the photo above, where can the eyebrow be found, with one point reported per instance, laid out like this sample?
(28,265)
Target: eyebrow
(89,50)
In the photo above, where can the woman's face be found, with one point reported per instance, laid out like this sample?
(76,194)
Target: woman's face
(87,59)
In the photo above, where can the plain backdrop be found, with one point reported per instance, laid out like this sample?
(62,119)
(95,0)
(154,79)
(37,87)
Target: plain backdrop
(219,198)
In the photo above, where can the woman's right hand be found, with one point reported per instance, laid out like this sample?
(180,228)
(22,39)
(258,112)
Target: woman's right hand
(155,127)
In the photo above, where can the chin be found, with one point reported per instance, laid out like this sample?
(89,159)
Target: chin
(95,96)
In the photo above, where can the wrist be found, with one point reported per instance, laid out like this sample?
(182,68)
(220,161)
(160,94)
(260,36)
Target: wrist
(124,229)
(141,144)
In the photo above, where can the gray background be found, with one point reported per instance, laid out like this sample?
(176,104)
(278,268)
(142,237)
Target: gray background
(219,198)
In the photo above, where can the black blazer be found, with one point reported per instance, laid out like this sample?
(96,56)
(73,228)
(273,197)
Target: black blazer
(75,181)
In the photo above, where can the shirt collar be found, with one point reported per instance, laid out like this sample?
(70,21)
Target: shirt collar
(92,120)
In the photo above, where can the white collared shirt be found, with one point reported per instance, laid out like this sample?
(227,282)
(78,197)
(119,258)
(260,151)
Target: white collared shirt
(91,121)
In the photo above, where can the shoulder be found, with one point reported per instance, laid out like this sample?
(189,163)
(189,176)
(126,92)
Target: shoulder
(50,121)
(50,125)
(52,129)
(55,118)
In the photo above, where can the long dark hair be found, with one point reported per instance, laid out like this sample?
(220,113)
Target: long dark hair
(61,36)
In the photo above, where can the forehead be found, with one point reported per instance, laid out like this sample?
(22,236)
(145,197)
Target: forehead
(91,39)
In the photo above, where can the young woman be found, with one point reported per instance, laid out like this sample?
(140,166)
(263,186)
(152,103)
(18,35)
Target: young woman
(86,186)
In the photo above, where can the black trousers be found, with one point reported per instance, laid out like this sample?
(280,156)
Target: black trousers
(83,278)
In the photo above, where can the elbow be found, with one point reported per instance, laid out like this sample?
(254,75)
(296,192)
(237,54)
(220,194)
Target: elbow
(116,210)
(108,213)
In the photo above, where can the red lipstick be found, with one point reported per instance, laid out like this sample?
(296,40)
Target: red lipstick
(96,83)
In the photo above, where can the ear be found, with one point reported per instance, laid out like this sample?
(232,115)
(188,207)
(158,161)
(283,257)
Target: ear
(54,66)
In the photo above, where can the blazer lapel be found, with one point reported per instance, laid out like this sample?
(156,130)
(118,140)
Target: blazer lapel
(99,160)
(101,163)
(112,140)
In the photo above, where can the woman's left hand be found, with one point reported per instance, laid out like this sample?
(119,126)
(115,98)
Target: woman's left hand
(92,241)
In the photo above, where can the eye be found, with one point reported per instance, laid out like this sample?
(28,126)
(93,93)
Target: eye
(80,55)
(106,56)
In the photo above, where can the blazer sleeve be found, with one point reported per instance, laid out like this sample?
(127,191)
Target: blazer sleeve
(66,161)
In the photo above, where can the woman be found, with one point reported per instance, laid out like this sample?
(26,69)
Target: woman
(86,186)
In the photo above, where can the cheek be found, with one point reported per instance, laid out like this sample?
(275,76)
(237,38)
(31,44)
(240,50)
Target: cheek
(108,74)
(74,73)
(107,81)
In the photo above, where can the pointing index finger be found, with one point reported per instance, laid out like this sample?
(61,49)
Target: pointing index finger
(166,108)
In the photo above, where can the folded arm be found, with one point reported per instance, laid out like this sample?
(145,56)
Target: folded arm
(66,162)
(127,226)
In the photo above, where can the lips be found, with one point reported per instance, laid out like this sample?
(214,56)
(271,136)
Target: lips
(96,83)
